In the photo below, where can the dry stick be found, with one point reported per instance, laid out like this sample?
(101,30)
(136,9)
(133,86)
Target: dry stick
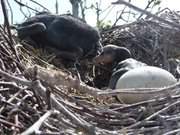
(14,78)
(174,118)
(134,91)
(152,101)
(8,28)
(147,13)
(9,123)
(35,127)
(163,110)
(16,121)
(39,5)
(146,130)
(23,5)
(4,36)
(5,52)
(54,77)
(9,84)
(147,6)
(61,108)
(11,99)
(119,17)
(155,114)
(59,78)
(83,125)
(41,90)
(7,21)
(11,11)
(173,132)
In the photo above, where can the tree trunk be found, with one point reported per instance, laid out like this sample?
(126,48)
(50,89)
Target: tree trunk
(75,7)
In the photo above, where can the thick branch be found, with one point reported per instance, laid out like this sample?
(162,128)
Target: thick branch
(147,13)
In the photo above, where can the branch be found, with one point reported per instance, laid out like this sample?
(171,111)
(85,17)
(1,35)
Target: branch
(40,5)
(59,78)
(8,29)
(41,90)
(16,79)
(10,11)
(83,7)
(155,114)
(4,9)
(35,127)
(147,6)
(23,5)
(147,13)
(119,17)
(175,131)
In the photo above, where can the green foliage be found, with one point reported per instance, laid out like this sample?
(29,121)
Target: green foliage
(104,24)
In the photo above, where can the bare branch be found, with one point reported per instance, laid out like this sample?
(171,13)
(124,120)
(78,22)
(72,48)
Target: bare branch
(40,5)
(35,127)
(10,11)
(147,6)
(8,29)
(148,13)
(7,22)
(24,5)
(120,16)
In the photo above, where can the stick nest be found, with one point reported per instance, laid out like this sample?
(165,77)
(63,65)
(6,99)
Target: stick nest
(33,101)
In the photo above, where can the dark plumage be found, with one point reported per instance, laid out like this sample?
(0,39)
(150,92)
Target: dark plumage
(112,55)
(121,68)
(71,36)
(129,73)
(118,59)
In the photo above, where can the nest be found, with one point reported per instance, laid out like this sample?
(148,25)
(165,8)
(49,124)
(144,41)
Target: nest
(48,100)
(149,41)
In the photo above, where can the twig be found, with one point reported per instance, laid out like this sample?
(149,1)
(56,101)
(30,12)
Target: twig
(35,127)
(41,90)
(59,78)
(140,90)
(147,6)
(163,110)
(7,22)
(23,5)
(105,16)
(40,5)
(119,17)
(155,114)
(147,13)
(10,11)
(54,77)
(10,100)
(8,29)
(9,123)
(176,131)
(4,36)
(83,125)
(21,9)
